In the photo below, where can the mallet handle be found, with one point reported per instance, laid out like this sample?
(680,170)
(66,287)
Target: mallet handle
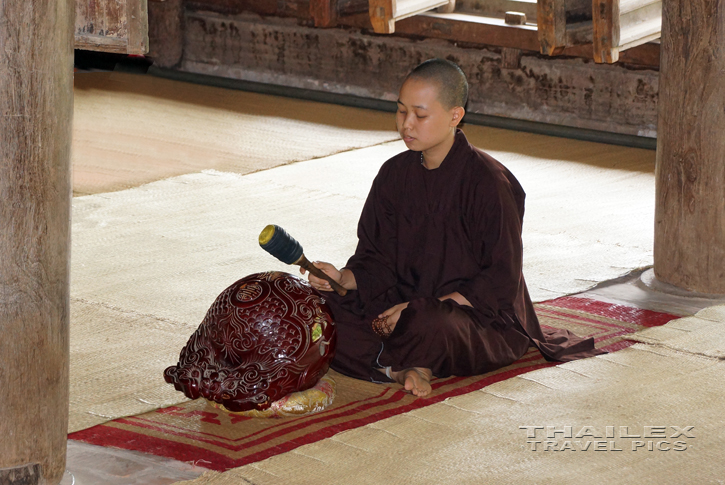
(321,274)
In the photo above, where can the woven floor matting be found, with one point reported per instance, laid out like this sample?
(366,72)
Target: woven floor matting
(148,261)
(702,333)
(197,432)
(644,415)
(131,129)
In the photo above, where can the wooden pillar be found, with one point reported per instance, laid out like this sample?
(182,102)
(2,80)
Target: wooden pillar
(166,32)
(324,12)
(36,108)
(689,249)
(605,30)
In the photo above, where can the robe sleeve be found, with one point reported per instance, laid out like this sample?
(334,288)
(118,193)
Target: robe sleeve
(373,263)
(494,226)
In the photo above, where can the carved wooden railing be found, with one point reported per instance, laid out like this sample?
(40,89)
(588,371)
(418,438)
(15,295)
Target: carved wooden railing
(611,26)
(622,24)
(384,13)
(326,13)
(563,24)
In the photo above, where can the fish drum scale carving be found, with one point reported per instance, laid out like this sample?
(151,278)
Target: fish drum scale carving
(267,335)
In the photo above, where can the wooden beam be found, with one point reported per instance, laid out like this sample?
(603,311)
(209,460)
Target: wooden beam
(622,24)
(166,32)
(385,13)
(137,18)
(382,16)
(407,8)
(514,18)
(119,26)
(475,30)
(645,55)
(551,20)
(579,33)
(470,29)
(579,10)
(36,109)
(606,30)
(641,25)
(689,244)
(450,7)
(351,7)
(280,8)
(626,6)
(324,12)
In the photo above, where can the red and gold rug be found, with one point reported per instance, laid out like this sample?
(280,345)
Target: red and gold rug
(199,433)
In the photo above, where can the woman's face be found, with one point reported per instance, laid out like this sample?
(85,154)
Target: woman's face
(422,121)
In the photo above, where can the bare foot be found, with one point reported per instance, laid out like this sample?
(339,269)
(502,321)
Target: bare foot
(416,380)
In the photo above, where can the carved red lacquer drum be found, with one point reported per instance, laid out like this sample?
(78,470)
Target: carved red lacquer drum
(265,336)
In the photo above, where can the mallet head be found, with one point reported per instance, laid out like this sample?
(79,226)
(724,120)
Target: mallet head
(277,242)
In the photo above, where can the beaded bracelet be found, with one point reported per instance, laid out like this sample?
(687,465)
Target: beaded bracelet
(382,328)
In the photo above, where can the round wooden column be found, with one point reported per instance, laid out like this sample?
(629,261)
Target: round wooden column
(36,109)
(689,246)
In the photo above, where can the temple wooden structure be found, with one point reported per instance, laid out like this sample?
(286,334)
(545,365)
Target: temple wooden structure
(36,111)
(593,64)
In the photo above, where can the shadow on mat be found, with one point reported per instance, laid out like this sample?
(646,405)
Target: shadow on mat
(237,101)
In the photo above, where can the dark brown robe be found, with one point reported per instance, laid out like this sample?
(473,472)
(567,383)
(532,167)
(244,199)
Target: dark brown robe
(424,234)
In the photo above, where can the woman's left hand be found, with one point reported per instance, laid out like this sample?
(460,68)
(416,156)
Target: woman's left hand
(393,313)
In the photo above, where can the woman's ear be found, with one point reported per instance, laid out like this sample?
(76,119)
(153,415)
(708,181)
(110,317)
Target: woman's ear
(457,114)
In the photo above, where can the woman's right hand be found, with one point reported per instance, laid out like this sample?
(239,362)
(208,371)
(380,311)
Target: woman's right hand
(320,284)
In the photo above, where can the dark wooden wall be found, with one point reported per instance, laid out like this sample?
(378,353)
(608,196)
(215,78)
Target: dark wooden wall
(278,43)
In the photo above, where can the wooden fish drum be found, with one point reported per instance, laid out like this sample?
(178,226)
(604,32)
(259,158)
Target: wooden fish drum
(266,336)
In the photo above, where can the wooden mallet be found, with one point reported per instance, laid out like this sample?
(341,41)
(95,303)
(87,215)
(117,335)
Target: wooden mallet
(284,247)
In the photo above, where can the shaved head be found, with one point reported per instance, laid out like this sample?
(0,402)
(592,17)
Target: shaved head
(448,78)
